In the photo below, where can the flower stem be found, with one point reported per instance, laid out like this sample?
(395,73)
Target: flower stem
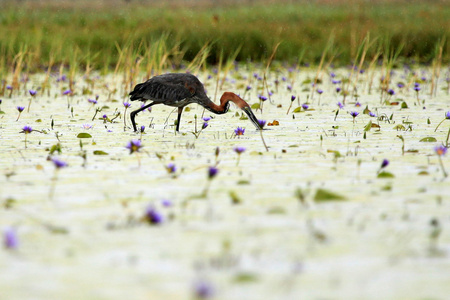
(139,159)
(53,185)
(264,142)
(439,124)
(448,136)
(29,104)
(442,166)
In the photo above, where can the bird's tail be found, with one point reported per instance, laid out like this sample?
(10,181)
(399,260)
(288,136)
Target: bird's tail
(136,93)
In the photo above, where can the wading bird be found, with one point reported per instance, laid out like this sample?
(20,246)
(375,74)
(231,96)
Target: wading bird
(179,90)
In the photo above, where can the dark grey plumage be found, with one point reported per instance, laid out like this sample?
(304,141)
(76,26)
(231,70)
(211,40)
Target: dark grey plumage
(173,89)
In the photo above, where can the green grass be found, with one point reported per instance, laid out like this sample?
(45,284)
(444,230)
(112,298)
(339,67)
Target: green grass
(95,32)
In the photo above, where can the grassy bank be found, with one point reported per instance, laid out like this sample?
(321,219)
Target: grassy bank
(94,34)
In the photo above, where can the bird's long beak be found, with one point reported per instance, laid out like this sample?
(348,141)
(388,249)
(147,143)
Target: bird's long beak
(248,111)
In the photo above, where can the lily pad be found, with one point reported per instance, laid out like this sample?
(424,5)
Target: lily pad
(256,106)
(84,135)
(428,139)
(385,174)
(100,152)
(323,195)
(245,278)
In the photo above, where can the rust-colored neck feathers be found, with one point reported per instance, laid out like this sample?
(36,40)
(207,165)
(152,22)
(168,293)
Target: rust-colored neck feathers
(234,98)
(228,96)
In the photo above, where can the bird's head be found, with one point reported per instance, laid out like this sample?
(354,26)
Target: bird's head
(228,96)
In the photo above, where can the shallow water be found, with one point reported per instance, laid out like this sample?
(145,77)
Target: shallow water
(89,242)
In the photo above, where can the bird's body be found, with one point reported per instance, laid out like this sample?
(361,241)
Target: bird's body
(179,90)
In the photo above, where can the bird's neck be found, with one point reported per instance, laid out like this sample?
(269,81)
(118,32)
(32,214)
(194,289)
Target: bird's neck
(218,109)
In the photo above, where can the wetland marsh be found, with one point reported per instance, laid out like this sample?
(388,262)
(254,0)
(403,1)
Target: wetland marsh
(343,194)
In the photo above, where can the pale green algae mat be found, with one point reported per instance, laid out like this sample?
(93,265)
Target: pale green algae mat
(309,219)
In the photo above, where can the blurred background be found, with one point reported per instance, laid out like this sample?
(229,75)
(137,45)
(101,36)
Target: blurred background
(94,33)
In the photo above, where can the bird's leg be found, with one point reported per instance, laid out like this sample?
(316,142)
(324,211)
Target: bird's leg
(180,110)
(134,113)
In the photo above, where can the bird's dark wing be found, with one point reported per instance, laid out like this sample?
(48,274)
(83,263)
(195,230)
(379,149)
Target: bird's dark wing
(168,87)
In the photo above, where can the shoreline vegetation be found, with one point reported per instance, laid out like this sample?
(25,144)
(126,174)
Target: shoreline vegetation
(98,35)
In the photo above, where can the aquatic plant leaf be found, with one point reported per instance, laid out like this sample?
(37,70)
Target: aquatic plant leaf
(428,139)
(245,278)
(235,199)
(56,147)
(399,127)
(100,152)
(243,182)
(385,174)
(404,105)
(84,135)
(297,110)
(256,106)
(368,126)
(323,195)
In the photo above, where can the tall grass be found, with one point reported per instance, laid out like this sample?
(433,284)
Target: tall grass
(164,35)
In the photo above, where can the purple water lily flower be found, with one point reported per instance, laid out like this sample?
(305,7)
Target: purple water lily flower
(27,129)
(212,172)
(153,216)
(171,168)
(305,106)
(10,239)
(239,150)
(261,124)
(59,163)
(239,131)
(134,146)
(32,92)
(203,290)
(262,98)
(440,150)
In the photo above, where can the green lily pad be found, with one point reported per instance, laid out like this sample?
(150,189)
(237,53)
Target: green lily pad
(428,139)
(245,278)
(84,135)
(100,152)
(323,195)
(256,106)
(385,174)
